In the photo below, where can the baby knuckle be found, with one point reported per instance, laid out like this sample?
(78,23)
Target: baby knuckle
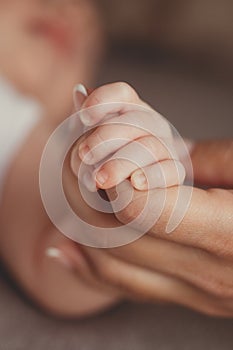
(150,142)
(97,141)
(156,147)
(99,136)
(126,90)
(94,99)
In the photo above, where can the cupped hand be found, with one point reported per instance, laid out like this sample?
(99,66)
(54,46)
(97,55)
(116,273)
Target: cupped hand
(192,266)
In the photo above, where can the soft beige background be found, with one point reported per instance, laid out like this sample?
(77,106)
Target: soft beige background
(199,29)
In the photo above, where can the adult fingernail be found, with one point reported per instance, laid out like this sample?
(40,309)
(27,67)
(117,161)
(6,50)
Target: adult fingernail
(101,177)
(57,254)
(80,93)
(85,154)
(138,180)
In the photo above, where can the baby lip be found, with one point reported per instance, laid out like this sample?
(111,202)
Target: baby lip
(55,30)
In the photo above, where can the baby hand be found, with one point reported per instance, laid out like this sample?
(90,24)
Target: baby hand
(127,140)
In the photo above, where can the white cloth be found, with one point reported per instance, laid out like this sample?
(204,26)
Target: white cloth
(18,116)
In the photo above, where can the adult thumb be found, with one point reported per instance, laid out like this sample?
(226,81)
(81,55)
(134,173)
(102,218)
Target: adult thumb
(213,163)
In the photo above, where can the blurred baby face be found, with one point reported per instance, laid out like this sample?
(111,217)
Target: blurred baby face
(41,37)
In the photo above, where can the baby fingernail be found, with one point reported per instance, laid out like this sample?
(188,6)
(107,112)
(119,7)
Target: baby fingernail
(81,89)
(56,253)
(85,154)
(139,180)
(101,177)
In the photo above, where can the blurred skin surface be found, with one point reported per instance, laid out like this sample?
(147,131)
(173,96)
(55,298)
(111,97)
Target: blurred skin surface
(47,46)
(46,67)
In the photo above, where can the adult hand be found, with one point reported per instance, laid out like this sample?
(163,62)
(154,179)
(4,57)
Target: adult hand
(192,266)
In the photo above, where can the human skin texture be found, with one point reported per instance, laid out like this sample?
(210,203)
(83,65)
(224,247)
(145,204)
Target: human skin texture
(192,266)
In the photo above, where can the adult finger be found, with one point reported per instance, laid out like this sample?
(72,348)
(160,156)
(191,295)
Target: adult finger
(143,284)
(202,219)
(195,266)
(213,163)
